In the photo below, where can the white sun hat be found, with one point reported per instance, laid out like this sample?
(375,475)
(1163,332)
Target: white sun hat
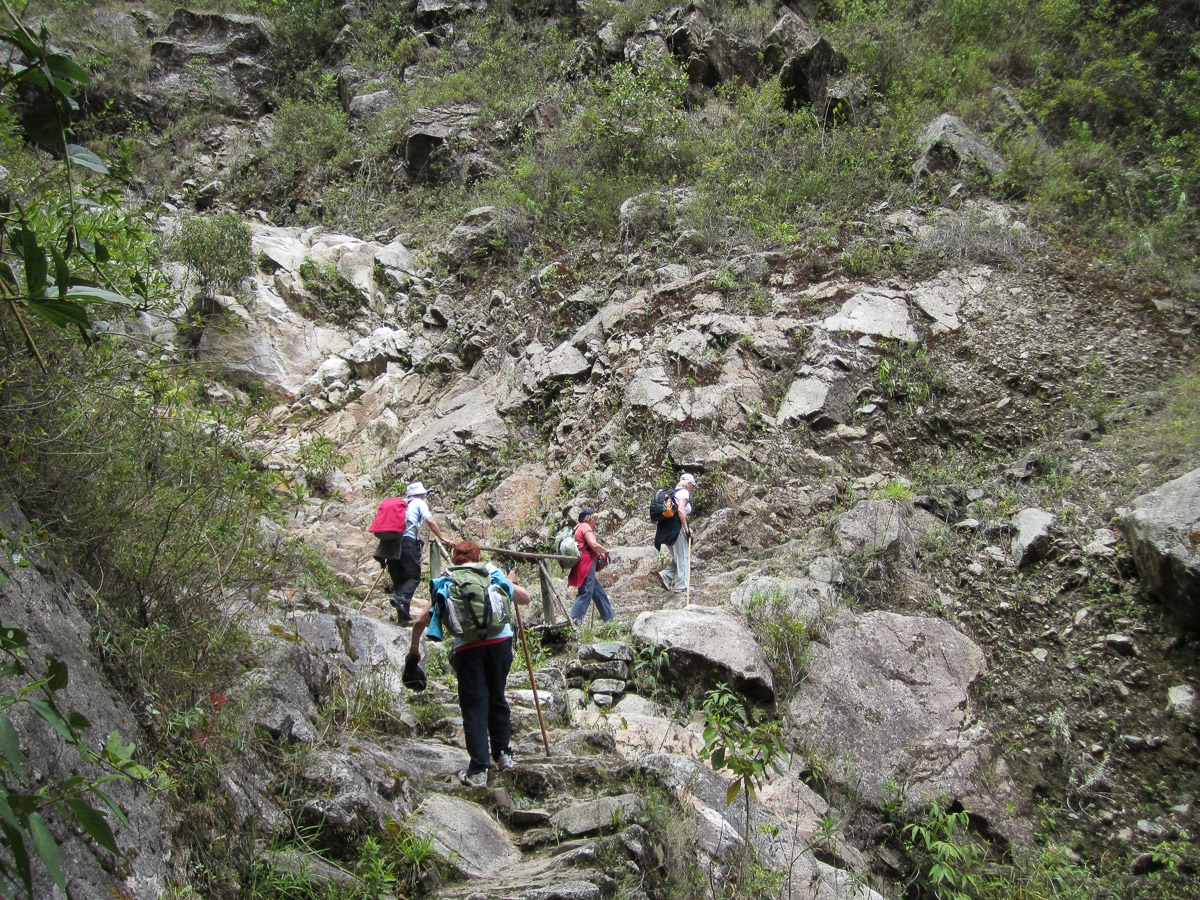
(416,489)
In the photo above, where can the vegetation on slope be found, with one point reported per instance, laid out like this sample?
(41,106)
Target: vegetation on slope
(114,450)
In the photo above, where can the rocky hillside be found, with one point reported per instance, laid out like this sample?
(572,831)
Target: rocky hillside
(947,458)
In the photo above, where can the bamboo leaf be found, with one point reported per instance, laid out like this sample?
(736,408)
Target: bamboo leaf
(82,156)
(66,67)
(88,293)
(731,794)
(60,312)
(10,746)
(50,714)
(93,822)
(15,839)
(47,851)
(35,263)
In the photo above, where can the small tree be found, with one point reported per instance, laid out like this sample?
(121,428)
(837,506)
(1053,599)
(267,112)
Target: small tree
(733,740)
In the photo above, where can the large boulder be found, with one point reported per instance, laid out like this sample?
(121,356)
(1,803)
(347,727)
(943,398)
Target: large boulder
(465,836)
(891,693)
(482,232)
(707,646)
(804,76)
(436,142)
(1163,529)
(948,143)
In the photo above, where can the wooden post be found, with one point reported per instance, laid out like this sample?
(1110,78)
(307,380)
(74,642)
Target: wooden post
(547,592)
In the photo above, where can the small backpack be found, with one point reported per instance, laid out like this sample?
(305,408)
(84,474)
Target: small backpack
(477,610)
(662,505)
(391,516)
(566,545)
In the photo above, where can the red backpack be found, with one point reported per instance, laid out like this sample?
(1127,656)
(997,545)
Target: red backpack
(391,515)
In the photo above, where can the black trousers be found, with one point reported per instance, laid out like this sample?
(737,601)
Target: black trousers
(407,574)
(482,678)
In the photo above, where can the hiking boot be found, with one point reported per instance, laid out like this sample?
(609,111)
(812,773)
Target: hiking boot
(666,582)
(403,614)
(477,780)
(504,762)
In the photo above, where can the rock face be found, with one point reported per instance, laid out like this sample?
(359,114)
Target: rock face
(707,646)
(41,600)
(432,142)
(717,830)
(890,693)
(231,52)
(1163,529)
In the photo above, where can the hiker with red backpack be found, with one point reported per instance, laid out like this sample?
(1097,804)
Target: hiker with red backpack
(471,602)
(670,509)
(398,526)
(593,556)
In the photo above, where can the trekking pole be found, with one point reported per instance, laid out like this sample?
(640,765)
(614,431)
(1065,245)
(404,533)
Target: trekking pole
(532,681)
(378,578)
(689,568)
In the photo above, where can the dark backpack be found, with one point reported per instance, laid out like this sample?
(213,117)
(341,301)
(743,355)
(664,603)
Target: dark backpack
(474,611)
(662,505)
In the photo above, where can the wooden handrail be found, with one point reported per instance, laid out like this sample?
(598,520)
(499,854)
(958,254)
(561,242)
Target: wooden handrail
(522,555)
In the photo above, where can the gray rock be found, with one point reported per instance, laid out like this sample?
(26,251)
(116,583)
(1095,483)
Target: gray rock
(357,788)
(644,214)
(947,142)
(875,526)
(607,686)
(1181,702)
(890,693)
(372,104)
(568,890)
(606,652)
(768,597)
(1032,541)
(482,232)
(805,75)
(706,646)
(649,387)
(805,397)
(465,836)
(874,313)
(1122,644)
(564,363)
(1161,529)
(1103,543)
(435,142)
(41,599)
(598,815)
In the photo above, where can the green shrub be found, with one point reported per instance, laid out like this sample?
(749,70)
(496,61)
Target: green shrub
(216,248)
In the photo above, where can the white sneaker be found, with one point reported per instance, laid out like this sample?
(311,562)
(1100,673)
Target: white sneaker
(504,762)
(478,780)
(662,576)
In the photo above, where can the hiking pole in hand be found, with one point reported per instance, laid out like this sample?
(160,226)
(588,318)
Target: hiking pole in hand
(532,682)
(378,578)
(689,567)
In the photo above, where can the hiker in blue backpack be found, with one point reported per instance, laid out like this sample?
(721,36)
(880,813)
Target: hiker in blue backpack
(481,665)
(675,532)
(592,557)
(411,545)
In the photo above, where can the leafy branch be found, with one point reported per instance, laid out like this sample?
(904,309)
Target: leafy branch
(36,270)
(23,827)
